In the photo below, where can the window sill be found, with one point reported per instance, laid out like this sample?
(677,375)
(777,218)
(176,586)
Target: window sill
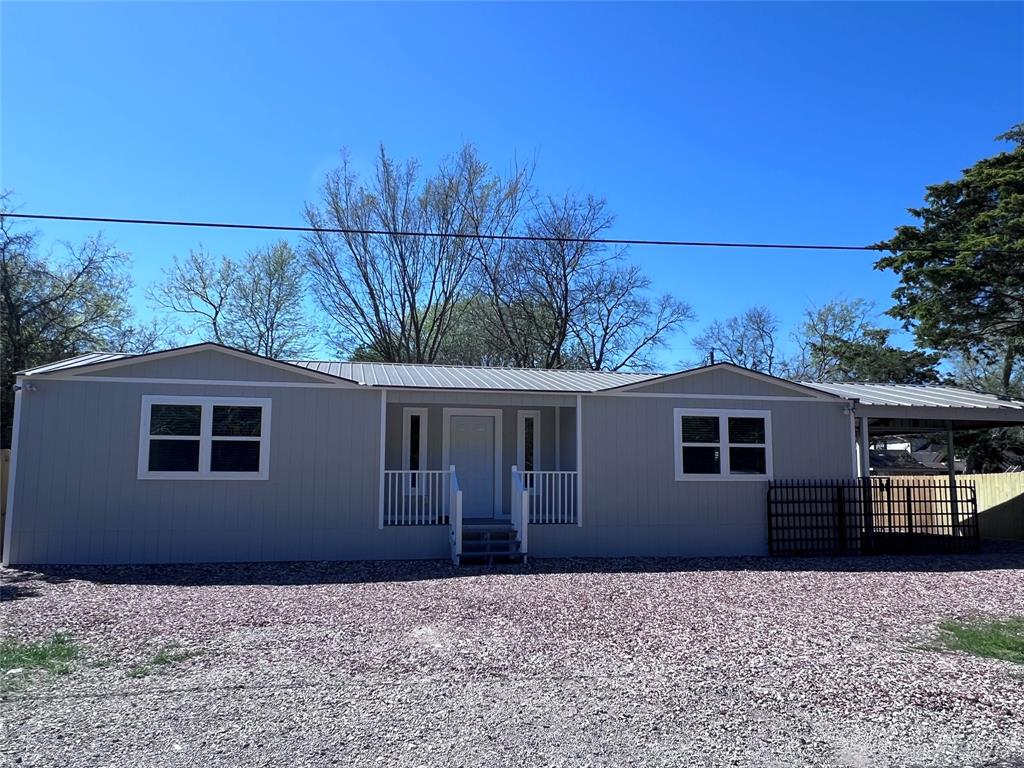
(203,476)
(723,478)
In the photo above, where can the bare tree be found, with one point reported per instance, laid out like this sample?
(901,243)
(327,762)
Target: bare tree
(256,304)
(547,297)
(619,326)
(394,295)
(562,300)
(265,306)
(749,340)
(197,288)
(499,313)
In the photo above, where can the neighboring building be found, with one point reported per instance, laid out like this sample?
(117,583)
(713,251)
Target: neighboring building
(205,454)
(911,455)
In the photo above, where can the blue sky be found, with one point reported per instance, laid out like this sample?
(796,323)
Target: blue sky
(807,122)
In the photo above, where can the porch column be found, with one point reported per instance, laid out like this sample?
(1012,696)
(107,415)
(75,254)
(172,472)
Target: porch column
(558,438)
(579,460)
(865,453)
(954,502)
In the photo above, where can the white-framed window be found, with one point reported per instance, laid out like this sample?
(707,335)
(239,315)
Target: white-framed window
(204,438)
(716,444)
(528,443)
(414,444)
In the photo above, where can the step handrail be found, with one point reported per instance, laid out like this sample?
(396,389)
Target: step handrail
(455,515)
(520,510)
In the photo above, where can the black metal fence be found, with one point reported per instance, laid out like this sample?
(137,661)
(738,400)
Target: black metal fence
(878,515)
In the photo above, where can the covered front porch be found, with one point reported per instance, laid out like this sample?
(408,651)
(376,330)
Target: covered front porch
(488,459)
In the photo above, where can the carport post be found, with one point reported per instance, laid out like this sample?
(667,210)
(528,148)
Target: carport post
(954,512)
(865,454)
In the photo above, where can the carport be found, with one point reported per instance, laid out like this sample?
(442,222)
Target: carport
(865,514)
(879,410)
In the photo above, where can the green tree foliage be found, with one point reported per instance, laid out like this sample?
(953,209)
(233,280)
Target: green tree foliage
(961,268)
(836,342)
(870,358)
(55,306)
(990,450)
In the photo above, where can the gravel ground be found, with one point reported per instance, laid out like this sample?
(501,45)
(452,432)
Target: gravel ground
(750,662)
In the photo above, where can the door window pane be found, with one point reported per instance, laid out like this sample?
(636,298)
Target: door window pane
(744,429)
(702,461)
(235,456)
(237,420)
(700,429)
(747,461)
(173,455)
(175,419)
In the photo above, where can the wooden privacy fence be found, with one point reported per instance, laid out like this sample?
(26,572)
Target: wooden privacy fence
(875,515)
(1000,500)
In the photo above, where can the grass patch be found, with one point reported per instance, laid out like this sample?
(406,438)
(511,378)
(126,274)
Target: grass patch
(54,655)
(170,656)
(992,638)
(164,657)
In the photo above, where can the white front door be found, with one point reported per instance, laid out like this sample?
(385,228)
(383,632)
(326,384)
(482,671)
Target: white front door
(471,450)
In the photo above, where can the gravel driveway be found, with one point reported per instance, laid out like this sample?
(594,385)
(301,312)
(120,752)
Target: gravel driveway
(750,662)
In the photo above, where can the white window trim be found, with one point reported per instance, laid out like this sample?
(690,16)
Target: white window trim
(407,414)
(205,437)
(521,418)
(723,444)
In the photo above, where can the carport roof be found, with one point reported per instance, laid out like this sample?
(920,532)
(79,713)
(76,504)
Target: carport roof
(926,395)
(894,409)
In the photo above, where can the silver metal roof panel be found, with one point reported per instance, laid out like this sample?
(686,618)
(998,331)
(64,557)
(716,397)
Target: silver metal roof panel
(474,377)
(917,395)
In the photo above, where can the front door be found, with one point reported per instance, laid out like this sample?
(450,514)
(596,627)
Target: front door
(471,450)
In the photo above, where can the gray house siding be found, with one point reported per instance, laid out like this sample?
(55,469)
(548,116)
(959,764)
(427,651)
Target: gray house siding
(633,505)
(78,499)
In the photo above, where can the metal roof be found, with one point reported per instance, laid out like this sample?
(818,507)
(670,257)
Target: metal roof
(917,395)
(422,376)
(417,375)
(474,377)
(89,358)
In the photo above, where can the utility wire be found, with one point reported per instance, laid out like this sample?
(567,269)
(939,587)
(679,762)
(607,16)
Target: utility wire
(474,236)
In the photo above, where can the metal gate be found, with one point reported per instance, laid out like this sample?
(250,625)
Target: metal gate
(878,515)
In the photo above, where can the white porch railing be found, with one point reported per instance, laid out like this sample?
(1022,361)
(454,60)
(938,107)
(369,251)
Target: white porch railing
(455,517)
(520,511)
(553,496)
(417,497)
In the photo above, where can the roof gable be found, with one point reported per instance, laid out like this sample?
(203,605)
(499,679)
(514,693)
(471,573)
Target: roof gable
(723,379)
(205,361)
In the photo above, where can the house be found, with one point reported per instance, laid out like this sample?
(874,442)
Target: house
(210,454)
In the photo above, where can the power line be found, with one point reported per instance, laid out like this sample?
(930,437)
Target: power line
(474,236)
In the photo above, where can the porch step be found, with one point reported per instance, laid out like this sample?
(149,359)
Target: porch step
(490,543)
